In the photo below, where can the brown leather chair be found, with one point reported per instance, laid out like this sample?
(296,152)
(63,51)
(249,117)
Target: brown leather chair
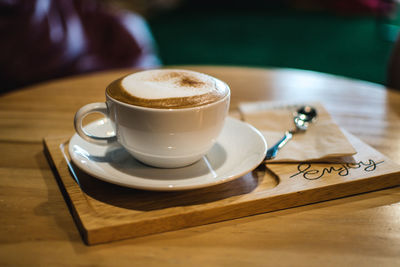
(394,67)
(42,40)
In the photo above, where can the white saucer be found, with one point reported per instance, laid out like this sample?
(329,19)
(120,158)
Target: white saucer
(239,149)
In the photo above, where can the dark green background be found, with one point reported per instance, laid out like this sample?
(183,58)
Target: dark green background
(356,46)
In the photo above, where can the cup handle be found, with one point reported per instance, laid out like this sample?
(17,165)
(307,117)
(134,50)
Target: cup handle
(82,113)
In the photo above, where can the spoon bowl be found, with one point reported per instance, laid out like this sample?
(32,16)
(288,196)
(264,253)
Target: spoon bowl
(303,117)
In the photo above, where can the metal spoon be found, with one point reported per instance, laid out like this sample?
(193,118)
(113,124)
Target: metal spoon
(302,118)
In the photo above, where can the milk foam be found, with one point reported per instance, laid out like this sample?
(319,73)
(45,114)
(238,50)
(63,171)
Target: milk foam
(163,84)
(168,89)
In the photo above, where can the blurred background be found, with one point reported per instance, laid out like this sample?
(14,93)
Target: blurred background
(46,39)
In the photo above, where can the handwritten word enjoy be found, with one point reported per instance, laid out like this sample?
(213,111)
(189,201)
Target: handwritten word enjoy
(310,172)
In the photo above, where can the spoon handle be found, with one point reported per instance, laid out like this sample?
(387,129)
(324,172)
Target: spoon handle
(271,153)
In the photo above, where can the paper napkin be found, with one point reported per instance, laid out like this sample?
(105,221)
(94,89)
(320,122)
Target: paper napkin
(322,141)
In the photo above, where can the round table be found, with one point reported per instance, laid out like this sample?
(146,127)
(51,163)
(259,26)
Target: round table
(38,229)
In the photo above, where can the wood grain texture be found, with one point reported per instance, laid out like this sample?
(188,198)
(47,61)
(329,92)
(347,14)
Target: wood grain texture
(105,212)
(357,230)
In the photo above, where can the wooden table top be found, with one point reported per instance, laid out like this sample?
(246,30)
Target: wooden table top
(37,228)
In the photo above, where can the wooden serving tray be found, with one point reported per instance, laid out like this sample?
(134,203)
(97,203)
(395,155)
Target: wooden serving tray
(105,212)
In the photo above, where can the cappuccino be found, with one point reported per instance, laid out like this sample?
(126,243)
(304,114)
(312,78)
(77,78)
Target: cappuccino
(152,118)
(168,89)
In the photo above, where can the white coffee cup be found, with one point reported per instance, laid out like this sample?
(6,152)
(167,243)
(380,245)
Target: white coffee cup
(160,137)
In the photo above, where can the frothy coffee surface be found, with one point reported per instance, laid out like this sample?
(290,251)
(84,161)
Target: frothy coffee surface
(168,88)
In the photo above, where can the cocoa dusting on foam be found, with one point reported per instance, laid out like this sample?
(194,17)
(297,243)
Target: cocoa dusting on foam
(203,89)
(190,82)
(180,79)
